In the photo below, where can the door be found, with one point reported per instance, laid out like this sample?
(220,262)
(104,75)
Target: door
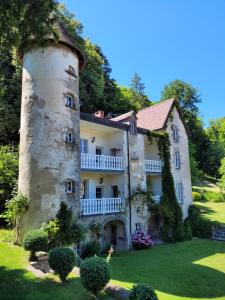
(114,235)
(98,152)
(115,191)
(84,189)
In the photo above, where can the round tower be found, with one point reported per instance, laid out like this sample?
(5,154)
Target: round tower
(49,161)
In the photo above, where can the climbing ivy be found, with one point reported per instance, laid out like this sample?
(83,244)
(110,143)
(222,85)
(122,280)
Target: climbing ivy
(170,210)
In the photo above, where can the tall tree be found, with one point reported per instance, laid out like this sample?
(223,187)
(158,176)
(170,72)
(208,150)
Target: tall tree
(188,99)
(139,99)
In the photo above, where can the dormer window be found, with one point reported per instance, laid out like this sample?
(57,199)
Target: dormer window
(69,101)
(175,133)
(70,186)
(71,71)
(177,159)
(69,137)
(133,127)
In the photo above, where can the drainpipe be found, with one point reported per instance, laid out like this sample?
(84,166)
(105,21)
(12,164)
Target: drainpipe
(129,179)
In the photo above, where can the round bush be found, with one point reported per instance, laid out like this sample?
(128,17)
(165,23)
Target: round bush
(95,274)
(62,260)
(143,292)
(35,240)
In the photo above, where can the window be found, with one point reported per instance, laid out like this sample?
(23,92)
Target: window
(69,137)
(98,151)
(133,129)
(115,191)
(179,192)
(84,189)
(70,187)
(83,146)
(175,133)
(138,226)
(71,71)
(99,192)
(177,159)
(69,101)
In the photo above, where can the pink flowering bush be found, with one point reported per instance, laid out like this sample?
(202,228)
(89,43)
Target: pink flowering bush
(140,240)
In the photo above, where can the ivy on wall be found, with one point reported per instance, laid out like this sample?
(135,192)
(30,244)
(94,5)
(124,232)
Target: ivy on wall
(169,208)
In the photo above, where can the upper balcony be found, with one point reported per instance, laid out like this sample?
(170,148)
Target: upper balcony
(102,206)
(153,166)
(101,162)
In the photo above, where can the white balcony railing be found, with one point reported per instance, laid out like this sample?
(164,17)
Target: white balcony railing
(102,206)
(156,198)
(154,166)
(101,162)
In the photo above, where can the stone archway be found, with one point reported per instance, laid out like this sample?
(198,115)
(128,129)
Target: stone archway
(115,233)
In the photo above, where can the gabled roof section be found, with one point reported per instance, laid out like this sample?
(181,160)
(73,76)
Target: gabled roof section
(153,117)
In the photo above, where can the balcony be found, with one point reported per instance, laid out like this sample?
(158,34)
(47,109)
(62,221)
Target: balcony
(156,198)
(101,162)
(154,166)
(102,206)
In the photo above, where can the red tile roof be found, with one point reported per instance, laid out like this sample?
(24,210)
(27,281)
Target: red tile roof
(152,117)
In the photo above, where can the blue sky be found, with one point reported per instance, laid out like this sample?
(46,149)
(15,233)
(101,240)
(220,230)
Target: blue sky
(161,40)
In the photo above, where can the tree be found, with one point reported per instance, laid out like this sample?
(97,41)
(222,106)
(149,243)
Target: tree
(188,99)
(140,100)
(8,173)
(23,19)
(222,174)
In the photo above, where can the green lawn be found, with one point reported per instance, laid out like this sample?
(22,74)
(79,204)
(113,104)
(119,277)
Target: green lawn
(214,211)
(189,270)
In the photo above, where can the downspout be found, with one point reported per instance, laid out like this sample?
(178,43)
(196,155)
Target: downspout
(129,180)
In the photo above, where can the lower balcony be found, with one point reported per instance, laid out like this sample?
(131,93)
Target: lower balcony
(101,162)
(102,206)
(154,166)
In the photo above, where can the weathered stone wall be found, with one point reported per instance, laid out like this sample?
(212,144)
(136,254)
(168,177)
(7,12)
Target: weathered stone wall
(46,162)
(183,174)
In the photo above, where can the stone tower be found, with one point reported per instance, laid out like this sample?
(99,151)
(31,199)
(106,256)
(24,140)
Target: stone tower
(49,160)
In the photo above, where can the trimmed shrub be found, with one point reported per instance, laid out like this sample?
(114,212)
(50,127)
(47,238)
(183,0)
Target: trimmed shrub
(142,292)
(187,229)
(95,274)
(62,260)
(35,240)
(200,228)
(90,249)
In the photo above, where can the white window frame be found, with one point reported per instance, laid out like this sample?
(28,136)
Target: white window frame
(99,148)
(69,186)
(179,187)
(69,137)
(175,134)
(84,182)
(177,159)
(83,147)
(69,101)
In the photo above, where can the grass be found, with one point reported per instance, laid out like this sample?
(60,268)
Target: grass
(189,270)
(213,211)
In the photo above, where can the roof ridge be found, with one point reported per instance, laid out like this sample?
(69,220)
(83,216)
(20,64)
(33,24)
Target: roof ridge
(159,102)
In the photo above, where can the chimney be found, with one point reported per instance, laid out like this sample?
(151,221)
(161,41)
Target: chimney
(99,114)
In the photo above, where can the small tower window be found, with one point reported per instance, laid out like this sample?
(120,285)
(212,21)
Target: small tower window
(69,101)
(71,71)
(70,186)
(69,137)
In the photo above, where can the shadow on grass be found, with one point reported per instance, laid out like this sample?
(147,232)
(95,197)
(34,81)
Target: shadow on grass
(174,269)
(20,284)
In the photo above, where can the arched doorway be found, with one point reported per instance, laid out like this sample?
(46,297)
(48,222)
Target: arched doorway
(115,234)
